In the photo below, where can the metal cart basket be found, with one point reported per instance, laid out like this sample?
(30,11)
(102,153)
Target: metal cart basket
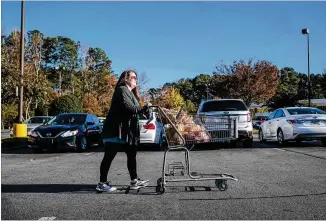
(182,132)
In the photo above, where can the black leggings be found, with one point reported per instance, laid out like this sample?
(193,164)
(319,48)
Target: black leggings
(111,150)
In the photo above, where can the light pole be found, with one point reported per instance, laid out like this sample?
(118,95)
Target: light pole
(20,109)
(305,31)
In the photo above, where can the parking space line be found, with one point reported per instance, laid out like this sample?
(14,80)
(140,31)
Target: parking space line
(48,218)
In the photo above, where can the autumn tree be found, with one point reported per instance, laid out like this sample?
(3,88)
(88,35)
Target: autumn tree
(91,105)
(251,82)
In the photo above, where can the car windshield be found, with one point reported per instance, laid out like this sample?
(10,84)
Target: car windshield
(68,119)
(227,105)
(38,120)
(298,111)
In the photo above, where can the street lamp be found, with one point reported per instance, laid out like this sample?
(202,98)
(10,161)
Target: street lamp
(305,31)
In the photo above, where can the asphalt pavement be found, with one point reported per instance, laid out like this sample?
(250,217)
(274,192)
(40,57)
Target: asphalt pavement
(273,183)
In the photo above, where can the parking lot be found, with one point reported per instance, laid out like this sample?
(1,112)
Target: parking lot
(273,183)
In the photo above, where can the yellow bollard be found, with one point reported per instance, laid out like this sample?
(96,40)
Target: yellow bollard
(20,130)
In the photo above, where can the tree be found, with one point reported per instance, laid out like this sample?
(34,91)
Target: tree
(287,90)
(171,98)
(61,57)
(65,104)
(91,105)
(8,114)
(201,88)
(251,82)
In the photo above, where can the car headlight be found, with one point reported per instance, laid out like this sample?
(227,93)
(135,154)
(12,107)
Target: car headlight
(69,133)
(33,134)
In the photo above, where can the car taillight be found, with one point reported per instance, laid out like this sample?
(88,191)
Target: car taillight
(150,126)
(248,117)
(292,121)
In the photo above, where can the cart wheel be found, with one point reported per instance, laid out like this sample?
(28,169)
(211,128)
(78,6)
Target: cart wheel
(221,185)
(160,189)
(159,181)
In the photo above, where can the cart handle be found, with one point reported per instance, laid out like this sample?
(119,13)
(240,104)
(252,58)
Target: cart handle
(168,119)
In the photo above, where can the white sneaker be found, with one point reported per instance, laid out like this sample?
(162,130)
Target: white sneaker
(137,183)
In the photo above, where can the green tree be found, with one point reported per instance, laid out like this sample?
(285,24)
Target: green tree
(287,90)
(8,113)
(65,104)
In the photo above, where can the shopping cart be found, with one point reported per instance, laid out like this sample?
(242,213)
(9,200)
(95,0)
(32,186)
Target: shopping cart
(182,131)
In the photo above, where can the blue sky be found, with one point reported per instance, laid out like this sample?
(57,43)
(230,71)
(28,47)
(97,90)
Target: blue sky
(173,40)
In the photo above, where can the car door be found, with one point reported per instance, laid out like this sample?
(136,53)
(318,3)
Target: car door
(268,125)
(97,129)
(90,128)
(278,119)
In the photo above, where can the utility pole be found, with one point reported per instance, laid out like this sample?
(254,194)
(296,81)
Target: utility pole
(21,74)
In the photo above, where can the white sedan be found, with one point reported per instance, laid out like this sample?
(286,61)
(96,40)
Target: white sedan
(152,130)
(294,124)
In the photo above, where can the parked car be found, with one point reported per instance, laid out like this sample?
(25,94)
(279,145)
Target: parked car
(68,130)
(101,119)
(34,122)
(294,124)
(152,129)
(231,107)
(258,119)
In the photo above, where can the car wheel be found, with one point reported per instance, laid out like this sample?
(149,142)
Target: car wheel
(280,137)
(82,144)
(248,143)
(261,136)
(36,150)
(324,142)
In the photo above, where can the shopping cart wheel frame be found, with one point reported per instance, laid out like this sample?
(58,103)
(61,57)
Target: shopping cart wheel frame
(221,185)
(160,189)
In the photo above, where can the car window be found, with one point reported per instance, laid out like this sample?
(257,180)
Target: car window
(38,120)
(297,111)
(271,116)
(89,118)
(68,119)
(259,118)
(224,105)
(95,119)
(280,113)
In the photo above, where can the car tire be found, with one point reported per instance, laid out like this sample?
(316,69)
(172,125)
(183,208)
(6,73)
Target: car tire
(36,150)
(261,136)
(324,142)
(82,144)
(247,143)
(280,137)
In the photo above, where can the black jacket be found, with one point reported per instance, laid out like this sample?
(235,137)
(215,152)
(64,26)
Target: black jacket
(122,119)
